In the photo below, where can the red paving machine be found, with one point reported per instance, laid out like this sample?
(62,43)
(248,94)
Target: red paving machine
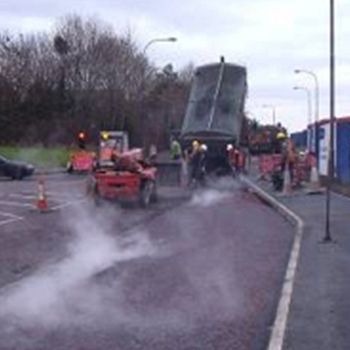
(122,175)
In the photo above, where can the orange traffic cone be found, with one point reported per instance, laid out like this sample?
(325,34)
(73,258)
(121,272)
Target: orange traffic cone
(41,203)
(287,183)
(314,186)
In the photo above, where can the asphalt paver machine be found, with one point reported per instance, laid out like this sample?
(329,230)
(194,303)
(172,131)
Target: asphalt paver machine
(122,174)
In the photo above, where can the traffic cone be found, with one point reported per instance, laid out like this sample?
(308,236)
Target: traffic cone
(314,186)
(287,183)
(41,203)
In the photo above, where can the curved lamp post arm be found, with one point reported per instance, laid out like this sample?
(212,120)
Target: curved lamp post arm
(317,90)
(157,40)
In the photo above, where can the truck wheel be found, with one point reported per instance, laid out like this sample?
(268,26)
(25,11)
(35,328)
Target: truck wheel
(96,197)
(145,194)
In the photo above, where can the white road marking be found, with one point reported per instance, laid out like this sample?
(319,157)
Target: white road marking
(16,204)
(9,218)
(15,195)
(280,323)
(67,204)
(60,200)
(63,200)
(64,196)
(51,196)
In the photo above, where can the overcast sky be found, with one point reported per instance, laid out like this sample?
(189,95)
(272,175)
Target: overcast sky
(270,37)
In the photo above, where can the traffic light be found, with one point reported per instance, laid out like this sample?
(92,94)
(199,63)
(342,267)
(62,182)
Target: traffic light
(81,140)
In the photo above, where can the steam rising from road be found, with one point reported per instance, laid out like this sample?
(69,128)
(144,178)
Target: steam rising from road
(109,278)
(220,189)
(208,198)
(63,293)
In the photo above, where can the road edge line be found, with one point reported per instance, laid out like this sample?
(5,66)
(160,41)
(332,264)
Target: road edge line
(280,323)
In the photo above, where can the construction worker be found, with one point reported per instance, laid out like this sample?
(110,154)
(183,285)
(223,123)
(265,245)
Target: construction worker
(115,158)
(236,160)
(195,161)
(241,161)
(175,150)
(202,164)
(280,140)
(288,157)
(185,168)
(231,158)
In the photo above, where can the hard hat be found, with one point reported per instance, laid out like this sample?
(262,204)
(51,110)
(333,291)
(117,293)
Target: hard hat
(281,136)
(105,135)
(204,147)
(229,147)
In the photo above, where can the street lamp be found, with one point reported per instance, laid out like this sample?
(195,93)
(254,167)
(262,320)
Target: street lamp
(317,90)
(153,41)
(328,238)
(158,40)
(273,112)
(314,148)
(308,95)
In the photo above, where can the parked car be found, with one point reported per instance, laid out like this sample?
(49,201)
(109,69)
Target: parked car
(15,169)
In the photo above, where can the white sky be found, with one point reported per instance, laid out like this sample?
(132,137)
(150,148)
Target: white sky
(270,37)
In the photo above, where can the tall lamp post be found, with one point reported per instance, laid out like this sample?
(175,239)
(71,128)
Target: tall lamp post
(146,47)
(317,89)
(273,108)
(317,104)
(328,237)
(308,95)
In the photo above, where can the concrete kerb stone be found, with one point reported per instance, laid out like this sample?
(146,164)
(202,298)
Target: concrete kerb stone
(289,215)
(280,323)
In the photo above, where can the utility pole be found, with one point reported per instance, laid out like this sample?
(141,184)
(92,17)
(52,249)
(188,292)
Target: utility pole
(328,237)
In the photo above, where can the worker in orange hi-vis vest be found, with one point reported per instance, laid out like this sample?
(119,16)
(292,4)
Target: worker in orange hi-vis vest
(288,157)
(232,158)
(241,161)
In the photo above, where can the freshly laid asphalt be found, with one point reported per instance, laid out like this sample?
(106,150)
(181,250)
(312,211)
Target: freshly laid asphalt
(197,271)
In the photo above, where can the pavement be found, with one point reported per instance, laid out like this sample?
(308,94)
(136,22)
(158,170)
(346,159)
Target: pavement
(320,306)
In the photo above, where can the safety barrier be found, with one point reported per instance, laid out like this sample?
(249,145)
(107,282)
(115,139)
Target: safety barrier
(268,163)
(302,166)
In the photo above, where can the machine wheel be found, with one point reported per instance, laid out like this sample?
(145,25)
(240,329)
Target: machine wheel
(154,193)
(145,194)
(96,197)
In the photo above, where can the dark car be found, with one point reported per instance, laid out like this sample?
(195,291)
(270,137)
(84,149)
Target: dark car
(15,169)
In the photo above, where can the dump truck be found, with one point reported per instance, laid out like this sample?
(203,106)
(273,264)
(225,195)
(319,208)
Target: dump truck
(215,111)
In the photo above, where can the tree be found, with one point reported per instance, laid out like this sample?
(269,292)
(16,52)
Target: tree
(83,75)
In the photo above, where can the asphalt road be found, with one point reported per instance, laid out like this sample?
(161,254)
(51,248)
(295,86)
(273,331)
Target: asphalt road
(203,272)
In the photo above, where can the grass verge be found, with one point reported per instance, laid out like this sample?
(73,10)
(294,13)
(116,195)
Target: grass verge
(57,156)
